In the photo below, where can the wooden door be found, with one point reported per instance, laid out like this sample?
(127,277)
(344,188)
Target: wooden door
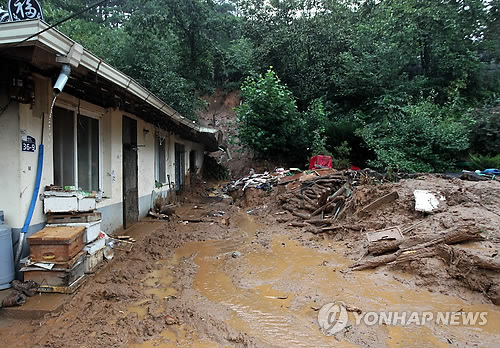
(130,185)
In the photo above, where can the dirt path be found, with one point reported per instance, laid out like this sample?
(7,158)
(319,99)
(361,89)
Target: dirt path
(242,280)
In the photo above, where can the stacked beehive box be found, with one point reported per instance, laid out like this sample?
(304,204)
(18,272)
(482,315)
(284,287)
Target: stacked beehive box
(56,260)
(77,209)
(71,244)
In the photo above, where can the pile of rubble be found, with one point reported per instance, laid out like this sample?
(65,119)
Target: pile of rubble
(413,223)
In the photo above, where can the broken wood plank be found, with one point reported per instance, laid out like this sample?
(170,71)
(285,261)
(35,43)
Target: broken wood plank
(380,202)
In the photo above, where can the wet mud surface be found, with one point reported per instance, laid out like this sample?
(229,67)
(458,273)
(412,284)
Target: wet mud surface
(244,280)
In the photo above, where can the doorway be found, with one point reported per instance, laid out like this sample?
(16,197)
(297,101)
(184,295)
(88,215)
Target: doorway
(180,166)
(130,186)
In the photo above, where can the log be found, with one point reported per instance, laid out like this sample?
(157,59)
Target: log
(298,224)
(312,196)
(337,193)
(323,197)
(320,209)
(322,187)
(453,237)
(465,259)
(301,215)
(313,229)
(374,262)
(310,201)
(414,255)
(319,222)
(383,246)
(459,258)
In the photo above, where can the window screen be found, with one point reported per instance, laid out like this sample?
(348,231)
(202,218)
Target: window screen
(160,160)
(64,147)
(88,153)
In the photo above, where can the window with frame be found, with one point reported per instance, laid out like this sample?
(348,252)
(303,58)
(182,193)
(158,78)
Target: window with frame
(160,170)
(76,150)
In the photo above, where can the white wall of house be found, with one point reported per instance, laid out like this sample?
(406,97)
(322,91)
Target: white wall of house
(18,168)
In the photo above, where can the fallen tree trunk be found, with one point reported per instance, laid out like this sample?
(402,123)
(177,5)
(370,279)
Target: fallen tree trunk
(465,259)
(453,237)
(382,247)
(419,251)
(374,262)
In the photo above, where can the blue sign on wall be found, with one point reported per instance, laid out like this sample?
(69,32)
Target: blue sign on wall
(24,9)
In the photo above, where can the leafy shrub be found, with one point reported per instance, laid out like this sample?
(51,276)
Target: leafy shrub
(344,128)
(485,132)
(268,118)
(420,137)
(341,157)
(482,162)
(315,121)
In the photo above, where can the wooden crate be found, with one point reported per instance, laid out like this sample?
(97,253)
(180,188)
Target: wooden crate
(73,218)
(62,274)
(56,244)
(93,261)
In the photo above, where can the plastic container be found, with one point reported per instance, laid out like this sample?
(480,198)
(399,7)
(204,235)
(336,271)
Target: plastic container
(7,270)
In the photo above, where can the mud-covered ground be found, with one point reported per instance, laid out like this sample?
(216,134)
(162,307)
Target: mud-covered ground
(240,278)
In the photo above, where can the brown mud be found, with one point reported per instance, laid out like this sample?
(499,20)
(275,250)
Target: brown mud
(245,280)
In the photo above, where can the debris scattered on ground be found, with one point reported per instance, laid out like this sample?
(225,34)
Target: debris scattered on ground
(15,298)
(120,244)
(341,204)
(158,215)
(169,320)
(28,288)
(425,201)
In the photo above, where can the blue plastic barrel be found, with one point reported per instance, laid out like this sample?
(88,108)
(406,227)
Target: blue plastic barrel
(7,270)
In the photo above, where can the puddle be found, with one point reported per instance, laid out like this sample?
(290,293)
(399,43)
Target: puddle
(304,278)
(421,337)
(140,307)
(179,336)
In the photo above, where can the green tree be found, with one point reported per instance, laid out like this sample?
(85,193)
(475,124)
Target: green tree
(268,118)
(416,137)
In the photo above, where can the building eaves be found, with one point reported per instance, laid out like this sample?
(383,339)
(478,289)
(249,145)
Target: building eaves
(14,32)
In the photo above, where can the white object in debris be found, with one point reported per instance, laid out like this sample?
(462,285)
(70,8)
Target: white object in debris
(93,247)
(425,201)
(47,266)
(108,253)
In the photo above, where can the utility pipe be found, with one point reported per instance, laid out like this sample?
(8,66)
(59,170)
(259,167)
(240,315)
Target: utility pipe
(58,87)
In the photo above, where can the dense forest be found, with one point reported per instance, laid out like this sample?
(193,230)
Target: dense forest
(409,85)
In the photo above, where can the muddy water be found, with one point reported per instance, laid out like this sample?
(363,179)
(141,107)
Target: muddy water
(274,293)
(177,337)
